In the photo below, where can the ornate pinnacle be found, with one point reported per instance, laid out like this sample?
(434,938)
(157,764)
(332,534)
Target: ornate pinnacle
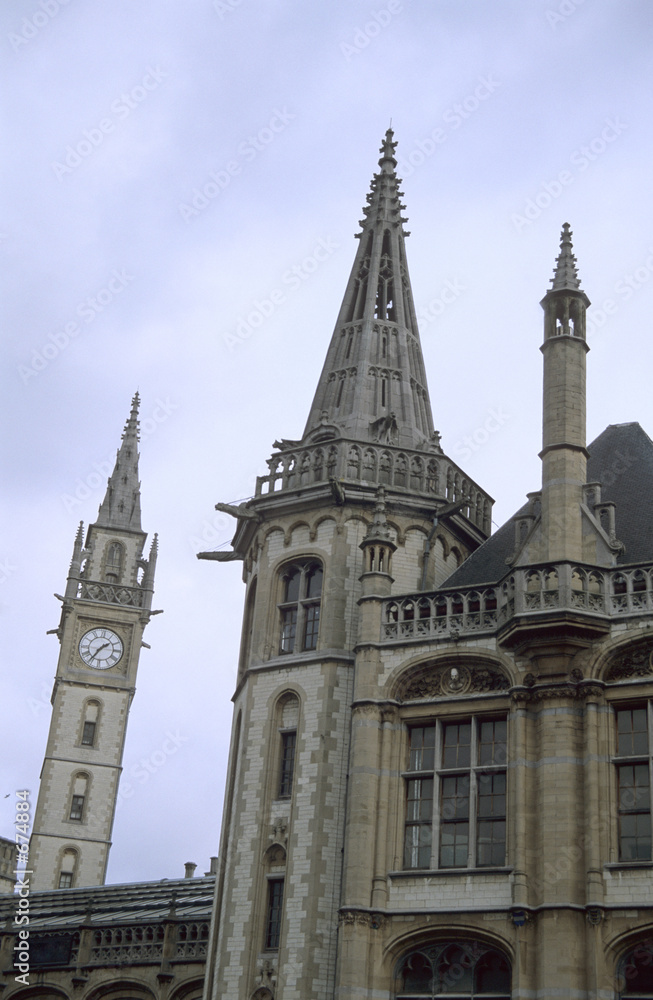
(379,529)
(565,275)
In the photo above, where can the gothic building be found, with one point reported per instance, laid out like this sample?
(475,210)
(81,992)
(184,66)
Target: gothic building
(440,766)
(439,777)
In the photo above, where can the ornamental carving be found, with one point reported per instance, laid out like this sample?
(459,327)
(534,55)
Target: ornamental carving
(362,918)
(637,662)
(437,682)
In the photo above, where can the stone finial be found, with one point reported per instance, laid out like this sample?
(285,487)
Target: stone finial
(565,275)
(379,529)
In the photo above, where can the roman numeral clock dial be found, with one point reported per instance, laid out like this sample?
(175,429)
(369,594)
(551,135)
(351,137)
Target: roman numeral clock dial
(100,648)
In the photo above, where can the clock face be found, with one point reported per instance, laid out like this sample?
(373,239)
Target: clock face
(100,648)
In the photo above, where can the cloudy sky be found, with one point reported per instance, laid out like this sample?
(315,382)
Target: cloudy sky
(169,164)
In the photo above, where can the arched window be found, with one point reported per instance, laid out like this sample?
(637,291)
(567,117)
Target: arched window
(89,727)
(67,869)
(113,564)
(78,797)
(635,973)
(300,606)
(465,969)
(288,719)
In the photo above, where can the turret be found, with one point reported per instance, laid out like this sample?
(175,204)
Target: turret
(564,452)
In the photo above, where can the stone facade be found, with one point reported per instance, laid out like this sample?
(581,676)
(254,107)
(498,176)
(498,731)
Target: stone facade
(468,807)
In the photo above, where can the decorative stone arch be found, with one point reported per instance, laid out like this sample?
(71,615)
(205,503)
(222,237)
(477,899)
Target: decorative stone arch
(190,990)
(121,989)
(42,991)
(444,541)
(457,554)
(623,659)
(416,527)
(321,520)
(270,531)
(448,673)
(629,954)
(287,538)
(434,938)
(400,536)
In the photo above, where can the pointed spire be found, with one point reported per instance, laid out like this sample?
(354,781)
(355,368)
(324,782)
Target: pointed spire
(565,275)
(121,507)
(373,385)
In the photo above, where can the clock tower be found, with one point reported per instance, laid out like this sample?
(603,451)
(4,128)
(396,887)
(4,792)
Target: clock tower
(105,609)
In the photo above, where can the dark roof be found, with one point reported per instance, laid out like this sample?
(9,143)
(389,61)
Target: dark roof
(132,902)
(621,459)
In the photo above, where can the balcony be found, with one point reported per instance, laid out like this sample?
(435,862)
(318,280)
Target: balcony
(531,591)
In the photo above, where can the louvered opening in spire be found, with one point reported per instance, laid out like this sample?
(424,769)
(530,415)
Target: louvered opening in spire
(373,385)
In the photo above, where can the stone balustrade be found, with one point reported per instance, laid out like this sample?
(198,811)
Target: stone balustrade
(431,473)
(109,593)
(530,590)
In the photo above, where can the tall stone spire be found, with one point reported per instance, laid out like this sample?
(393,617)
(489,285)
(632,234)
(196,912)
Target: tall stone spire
(373,385)
(121,507)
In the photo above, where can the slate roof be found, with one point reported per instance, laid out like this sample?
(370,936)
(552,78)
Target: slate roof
(621,459)
(133,902)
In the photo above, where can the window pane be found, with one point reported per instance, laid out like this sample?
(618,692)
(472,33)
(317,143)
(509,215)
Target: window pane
(492,742)
(314,582)
(417,975)
(288,629)
(492,795)
(312,626)
(456,751)
(65,880)
(632,737)
(422,748)
(491,843)
(77,807)
(492,974)
(291,589)
(419,812)
(288,741)
(455,797)
(454,972)
(88,736)
(275,903)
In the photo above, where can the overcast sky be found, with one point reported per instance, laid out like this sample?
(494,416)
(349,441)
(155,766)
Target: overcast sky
(169,164)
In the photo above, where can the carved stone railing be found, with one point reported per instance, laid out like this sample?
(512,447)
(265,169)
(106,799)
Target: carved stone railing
(127,944)
(110,593)
(192,940)
(532,590)
(382,464)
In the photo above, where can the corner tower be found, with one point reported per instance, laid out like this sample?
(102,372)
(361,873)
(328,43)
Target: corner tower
(106,606)
(365,504)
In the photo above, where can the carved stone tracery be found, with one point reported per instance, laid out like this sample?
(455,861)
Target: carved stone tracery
(634,662)
(434,682)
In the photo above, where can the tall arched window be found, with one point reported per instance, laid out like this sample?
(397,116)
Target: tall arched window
(300,606)
(466,969)
(67,869)
(78,797)
(113,564)
(90,723)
